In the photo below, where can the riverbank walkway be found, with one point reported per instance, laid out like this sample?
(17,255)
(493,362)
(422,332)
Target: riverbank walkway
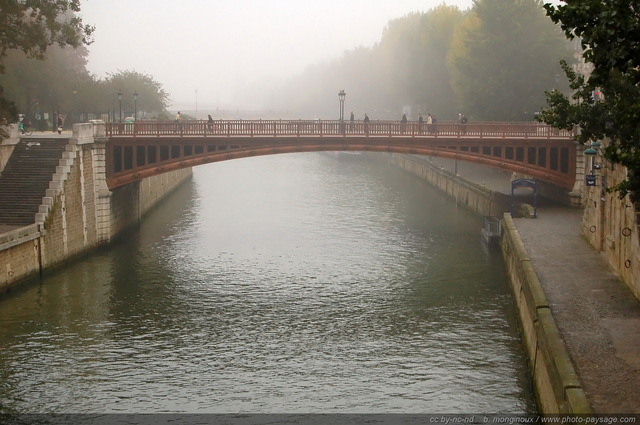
(596,313)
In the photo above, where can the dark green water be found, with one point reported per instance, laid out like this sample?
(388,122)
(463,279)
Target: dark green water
(288,284)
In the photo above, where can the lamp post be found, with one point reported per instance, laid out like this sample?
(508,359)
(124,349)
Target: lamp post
(591,152)
(135,106)
(120,101)
(341,96)
(74,107)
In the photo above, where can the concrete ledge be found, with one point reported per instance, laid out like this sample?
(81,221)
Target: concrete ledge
(82,134)
(18,233)
(63,169)
(19,236)
(41,218)
(557,386)
(14,135)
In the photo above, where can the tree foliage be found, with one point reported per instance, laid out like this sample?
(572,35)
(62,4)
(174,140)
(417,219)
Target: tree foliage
(609,33)
(151,97)
(492,62)
(45,69)
(508,56)
(31,26)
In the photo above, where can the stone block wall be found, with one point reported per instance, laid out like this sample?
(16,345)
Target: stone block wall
(78,212)
(477,198)
(19,254)
(610,224)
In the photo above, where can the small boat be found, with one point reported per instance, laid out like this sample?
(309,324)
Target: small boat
(491,231)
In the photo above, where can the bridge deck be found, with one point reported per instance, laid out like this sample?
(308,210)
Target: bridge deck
(141,149)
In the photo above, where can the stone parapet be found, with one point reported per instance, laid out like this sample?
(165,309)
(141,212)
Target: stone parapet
(557,386)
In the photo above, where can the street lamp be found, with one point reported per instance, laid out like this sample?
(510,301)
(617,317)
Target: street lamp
(341,96)
(120,101)
(135,106)
(74,107)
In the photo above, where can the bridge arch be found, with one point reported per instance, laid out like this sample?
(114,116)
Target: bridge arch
(531,149)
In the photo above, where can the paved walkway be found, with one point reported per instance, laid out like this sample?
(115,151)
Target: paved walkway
(597,315)
(48,134)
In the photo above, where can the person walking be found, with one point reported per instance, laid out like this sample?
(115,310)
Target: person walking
(403,122)
(420,122)
(177,121)
(60,123)
(366,124)
(352,119)
(434,124)
(462,120)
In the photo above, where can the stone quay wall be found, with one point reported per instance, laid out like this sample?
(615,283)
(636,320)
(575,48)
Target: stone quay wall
(610,224)
(476,197)
(78,212)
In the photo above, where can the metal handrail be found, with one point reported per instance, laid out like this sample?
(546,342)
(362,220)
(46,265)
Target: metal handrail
(302,128)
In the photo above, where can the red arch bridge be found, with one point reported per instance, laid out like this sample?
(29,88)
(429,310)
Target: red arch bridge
(142,149)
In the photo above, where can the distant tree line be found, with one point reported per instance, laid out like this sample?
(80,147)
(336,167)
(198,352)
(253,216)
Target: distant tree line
(492,62)
(60,84)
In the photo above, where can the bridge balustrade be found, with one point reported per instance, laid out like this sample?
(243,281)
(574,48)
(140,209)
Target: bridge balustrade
(300,128)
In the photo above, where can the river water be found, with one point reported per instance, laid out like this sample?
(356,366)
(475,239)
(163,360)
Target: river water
(298,283)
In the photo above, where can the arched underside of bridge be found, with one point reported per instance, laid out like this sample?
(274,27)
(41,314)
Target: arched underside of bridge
(130,163)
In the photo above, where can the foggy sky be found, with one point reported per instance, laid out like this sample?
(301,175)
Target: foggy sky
(215,47)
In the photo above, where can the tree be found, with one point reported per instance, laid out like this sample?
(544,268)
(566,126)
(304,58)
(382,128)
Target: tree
(152,98)
(52,84)
(609,33)
(31,26)
(507,56)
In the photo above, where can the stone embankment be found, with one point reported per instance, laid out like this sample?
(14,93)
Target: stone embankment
(76,212)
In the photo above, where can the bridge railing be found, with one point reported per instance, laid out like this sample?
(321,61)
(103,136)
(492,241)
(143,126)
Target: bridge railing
(301,128)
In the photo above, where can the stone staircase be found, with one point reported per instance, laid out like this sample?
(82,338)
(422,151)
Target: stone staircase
(26,177)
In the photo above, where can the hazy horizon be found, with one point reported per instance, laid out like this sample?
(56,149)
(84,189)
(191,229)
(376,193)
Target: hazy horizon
(205,52)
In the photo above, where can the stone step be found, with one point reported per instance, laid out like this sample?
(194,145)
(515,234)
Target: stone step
(26,178)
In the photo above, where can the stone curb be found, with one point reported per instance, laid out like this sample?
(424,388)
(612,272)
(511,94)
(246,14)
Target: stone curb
(559,377)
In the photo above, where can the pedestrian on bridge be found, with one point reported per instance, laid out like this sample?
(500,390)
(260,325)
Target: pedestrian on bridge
(420,122)
(60,123)
(430,123)
(178,118)
(352,118)
(366,124)
(462,120)
(403,122)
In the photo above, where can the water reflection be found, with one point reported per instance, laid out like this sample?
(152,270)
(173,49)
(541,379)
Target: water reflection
(292,283)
